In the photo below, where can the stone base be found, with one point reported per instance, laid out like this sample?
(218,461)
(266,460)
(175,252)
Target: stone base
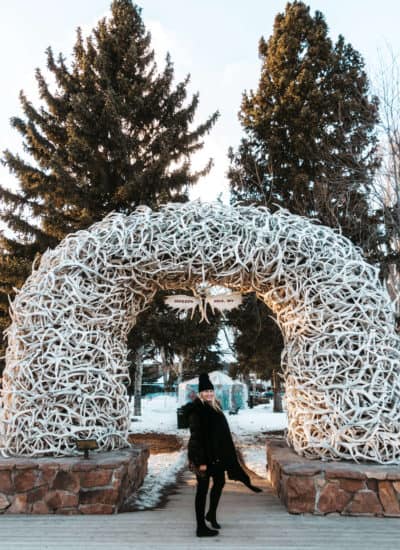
(72,485)
(317,487)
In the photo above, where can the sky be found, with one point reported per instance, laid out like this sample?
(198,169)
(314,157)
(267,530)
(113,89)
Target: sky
(215,41)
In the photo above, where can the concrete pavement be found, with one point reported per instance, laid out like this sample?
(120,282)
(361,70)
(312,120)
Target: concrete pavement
(249,521)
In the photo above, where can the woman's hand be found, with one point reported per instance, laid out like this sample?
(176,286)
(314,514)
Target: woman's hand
(203,467)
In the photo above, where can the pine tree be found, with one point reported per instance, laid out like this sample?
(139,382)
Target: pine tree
(310,143)
(114,133)
(172,335)
(257,338)
(310,140)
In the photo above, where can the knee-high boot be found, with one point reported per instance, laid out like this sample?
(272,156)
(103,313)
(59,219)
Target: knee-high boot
(200,506)
(215,495)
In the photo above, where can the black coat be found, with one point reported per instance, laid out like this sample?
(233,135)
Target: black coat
(211,442)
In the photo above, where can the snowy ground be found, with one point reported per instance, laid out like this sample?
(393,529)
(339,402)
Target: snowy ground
(159,415)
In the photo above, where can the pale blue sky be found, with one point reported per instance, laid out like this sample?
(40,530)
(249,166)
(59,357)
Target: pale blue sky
(214,40)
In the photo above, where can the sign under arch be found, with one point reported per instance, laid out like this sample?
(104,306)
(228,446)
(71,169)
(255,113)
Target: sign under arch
(66,361)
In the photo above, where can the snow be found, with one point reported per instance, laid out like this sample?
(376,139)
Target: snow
(258,420)
(255,458)
(163,470)
(159,415)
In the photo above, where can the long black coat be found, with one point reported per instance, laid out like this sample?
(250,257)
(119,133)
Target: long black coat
(211,442)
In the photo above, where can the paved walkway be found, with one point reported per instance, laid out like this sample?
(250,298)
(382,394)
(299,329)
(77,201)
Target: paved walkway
(249,521)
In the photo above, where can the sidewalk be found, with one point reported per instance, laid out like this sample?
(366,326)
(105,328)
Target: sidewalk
(249,521)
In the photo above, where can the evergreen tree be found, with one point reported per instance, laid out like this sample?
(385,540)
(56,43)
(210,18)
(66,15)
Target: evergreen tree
(114,133)
(310,129)
(258,340)
(310,144)
(172,335)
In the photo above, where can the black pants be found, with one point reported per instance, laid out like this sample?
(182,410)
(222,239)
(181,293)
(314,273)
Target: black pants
(203,481)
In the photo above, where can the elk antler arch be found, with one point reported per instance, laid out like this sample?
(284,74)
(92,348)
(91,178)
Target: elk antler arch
(66,362)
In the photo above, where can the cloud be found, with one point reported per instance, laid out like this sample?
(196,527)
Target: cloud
(164,41)
(215,184)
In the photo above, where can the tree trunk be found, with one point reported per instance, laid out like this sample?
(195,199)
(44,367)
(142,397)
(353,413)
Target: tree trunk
(180,370)
(165,368)
(137,405)
(251,390)
(276,386)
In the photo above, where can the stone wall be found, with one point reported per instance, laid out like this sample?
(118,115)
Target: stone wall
(99,485)
(347,488)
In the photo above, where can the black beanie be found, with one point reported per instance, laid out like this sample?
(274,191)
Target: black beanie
(204,382)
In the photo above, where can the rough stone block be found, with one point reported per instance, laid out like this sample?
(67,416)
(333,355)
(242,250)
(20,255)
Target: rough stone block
(392,473)
(372,485)
(24,480)
(61,499)
(132,469)
(6,485)
(4,502)
(24,464)
(365,503)
(333,499)
(97,508)
(388,498)
(19,505)
(37,494)
(6,464)
(275,475)
(83,466)
(96,478)
(48,474)
(110,462)
(351,485)
(40,508)
(95,496)
(300,494)
(376,473)
(396,486)
(335,471)
(302,469)
(66,481)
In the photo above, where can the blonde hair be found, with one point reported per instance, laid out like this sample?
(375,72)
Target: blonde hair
(215,404)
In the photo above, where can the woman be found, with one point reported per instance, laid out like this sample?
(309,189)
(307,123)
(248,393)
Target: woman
(211,453)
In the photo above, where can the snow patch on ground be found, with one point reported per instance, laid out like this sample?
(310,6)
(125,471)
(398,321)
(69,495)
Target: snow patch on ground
(255,458)
(256,421)
(158,415)
(163,470)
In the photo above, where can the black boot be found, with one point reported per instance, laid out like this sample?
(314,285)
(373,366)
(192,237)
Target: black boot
(254,488)
(204,531)
(200,506)
(211,517)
